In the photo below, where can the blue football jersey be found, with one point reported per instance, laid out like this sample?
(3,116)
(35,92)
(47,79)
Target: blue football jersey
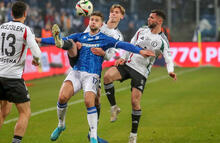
(87,61)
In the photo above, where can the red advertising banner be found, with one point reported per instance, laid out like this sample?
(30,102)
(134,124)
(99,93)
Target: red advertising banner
(188,54)
(185,54)
(53,61)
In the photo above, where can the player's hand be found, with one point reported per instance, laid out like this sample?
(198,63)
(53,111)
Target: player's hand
(173,75)
(98,51)
(35,62)
(119,62)
(147,53)
(78,45)
(38,40)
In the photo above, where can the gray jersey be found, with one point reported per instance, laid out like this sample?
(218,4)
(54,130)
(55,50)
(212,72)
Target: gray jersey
(147,40)
(115,33)
(15,39)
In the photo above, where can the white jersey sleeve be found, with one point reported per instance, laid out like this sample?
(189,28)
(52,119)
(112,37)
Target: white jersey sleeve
(167,55)
(32,44)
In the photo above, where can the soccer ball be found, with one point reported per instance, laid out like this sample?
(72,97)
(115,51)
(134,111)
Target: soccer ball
(84,8)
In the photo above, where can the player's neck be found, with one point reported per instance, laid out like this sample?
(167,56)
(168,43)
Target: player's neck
(94,32)
(19,19)
(156,30)
(112,25)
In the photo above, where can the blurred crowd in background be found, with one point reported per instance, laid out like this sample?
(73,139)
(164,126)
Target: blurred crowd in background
(43,14)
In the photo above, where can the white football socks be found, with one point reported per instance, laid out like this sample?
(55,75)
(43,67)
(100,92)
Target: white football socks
(92,118)
(61,114)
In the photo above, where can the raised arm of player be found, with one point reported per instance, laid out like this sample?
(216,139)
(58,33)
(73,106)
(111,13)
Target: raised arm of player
(35,50)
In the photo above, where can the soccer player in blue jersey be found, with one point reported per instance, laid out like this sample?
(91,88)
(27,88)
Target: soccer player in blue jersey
(87,70)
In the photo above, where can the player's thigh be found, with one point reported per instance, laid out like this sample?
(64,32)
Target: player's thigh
(72,83)
(138,81)
(24,109)
(90,82)
(5,107)
(113,74)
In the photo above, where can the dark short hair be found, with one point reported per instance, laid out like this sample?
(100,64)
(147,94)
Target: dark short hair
(159,13)
(98,13)
(18,9)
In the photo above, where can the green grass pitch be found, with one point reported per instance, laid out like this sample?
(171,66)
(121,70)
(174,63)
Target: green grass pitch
(182,111)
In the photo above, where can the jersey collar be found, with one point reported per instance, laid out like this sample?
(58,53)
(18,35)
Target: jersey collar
(95,34)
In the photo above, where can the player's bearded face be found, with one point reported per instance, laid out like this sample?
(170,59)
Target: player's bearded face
(152,20)
(152,25)
(95,23)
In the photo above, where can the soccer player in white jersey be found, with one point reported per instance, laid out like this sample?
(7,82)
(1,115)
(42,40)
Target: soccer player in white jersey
(15,39)
(137,68)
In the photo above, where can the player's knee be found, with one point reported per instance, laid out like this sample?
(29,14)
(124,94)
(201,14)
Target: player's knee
(88,103)
(97,100)
(135,104)
(63,99)
(4,115)
(107,78)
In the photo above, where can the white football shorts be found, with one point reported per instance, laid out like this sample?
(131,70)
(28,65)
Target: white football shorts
(83,80)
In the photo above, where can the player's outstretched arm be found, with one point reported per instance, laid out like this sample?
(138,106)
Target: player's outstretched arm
(147,53)
(135,49)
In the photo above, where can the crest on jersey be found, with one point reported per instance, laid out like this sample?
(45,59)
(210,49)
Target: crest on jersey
(84,37)
(154,44)
(142,38)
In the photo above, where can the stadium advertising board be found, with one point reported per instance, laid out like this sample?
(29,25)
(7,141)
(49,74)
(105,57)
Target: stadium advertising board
(54,61)
(188,54)
(185,54)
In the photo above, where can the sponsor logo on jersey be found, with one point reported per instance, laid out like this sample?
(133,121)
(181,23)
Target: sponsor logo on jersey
(90,45)
(7,60)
